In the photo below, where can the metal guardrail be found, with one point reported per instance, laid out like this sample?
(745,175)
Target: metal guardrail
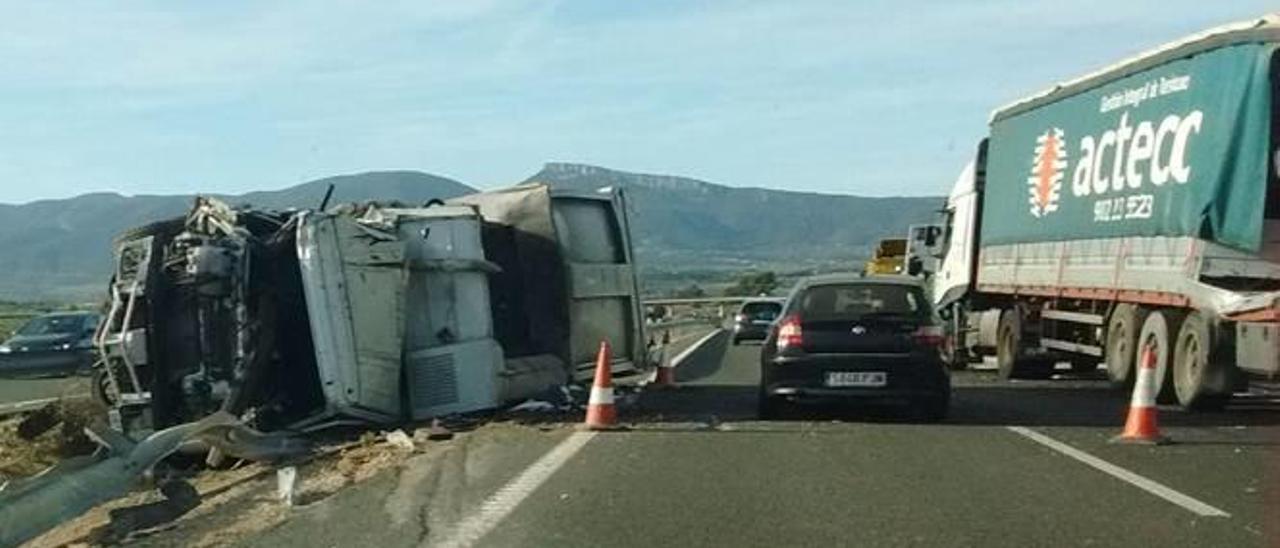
(700,300)
(32,405)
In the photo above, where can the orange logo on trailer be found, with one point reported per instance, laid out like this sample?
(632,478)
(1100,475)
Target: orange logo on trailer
(1047,166)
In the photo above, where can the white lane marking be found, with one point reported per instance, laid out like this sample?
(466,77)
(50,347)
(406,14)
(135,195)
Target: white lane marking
(505,500)
(675,362)
(1148,485)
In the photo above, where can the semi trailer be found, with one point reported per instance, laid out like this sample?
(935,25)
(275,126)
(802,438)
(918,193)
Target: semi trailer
(1129,214)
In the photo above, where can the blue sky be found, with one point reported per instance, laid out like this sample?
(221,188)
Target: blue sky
(869,97)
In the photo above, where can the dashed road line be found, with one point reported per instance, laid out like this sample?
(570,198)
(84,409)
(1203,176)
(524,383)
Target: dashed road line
(505,500)
(1141,482)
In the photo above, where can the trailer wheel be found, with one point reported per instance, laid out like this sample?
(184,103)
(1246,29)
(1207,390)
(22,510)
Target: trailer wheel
(1201,378)
(1121,343)
(1157,334)
(1009,344)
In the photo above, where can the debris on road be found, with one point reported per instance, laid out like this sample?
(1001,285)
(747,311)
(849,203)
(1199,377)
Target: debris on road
(400,440)
(435,432)
(35,441)
(287,484)
(535,406)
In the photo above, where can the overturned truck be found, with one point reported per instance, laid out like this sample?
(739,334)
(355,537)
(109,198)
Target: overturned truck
(367,312)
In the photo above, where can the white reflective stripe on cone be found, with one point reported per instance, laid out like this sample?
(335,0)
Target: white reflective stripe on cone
(1144,388)
(601,395)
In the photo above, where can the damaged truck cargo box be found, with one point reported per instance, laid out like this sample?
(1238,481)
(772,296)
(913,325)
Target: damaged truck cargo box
(296,320)
(404,294)
(568,282)
(354,284)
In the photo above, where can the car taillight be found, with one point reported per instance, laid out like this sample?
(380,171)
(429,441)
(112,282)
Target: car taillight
(790,334)
(929,335)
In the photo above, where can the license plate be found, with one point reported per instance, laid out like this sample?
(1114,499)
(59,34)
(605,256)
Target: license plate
(865,379)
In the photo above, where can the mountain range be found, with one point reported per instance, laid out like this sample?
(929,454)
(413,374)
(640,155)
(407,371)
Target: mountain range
(61,249)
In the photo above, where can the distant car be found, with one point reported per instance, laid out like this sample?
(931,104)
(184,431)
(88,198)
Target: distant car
(60,343)
(856,339)
(754,318)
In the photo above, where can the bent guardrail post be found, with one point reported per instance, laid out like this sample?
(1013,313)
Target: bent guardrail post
(30,507)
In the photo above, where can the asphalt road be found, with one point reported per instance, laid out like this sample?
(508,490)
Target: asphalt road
(866,479)
(20,390)
(697,469)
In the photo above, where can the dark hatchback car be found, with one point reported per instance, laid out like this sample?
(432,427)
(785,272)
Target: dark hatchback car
(60,343)
(754,319)
(856,339)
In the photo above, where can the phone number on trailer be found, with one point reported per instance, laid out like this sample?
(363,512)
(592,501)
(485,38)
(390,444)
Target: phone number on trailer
(1138,206)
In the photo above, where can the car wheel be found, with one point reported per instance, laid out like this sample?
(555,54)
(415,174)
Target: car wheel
(736,341)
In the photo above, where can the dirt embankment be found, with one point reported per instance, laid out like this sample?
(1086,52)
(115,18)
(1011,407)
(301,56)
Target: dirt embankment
(32,442)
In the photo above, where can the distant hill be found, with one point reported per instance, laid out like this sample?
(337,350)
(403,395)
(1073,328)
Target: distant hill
(683,228)
(61,249)
(678,220)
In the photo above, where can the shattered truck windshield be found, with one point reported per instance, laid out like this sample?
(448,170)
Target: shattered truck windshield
(545,274)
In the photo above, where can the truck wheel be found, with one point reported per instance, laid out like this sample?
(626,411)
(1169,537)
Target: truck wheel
(1157,335)
(100,388)
(1201,378)
(1121,343)
(1009,344)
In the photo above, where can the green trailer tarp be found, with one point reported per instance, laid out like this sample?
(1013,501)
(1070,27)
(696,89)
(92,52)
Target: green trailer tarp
(1180,149)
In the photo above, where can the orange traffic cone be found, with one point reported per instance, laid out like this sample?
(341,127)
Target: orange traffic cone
(601,413)
(1142,426)
(665,376)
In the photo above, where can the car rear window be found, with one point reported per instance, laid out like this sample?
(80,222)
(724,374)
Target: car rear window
(862,299)
(762,311)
